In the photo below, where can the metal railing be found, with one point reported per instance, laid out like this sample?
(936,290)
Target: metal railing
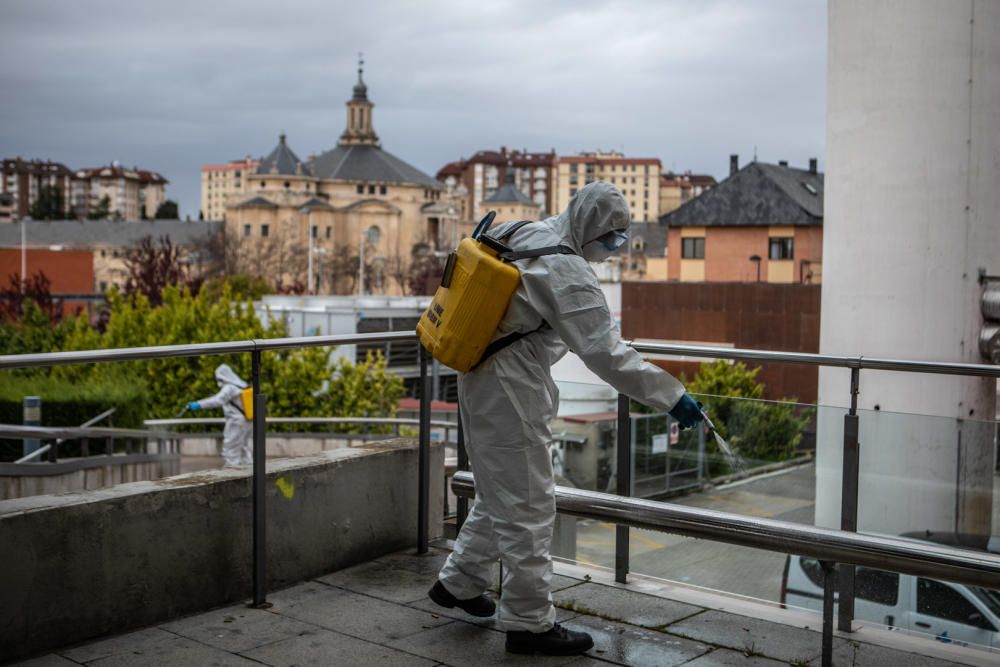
(256,347)
(54,446)
(829,546)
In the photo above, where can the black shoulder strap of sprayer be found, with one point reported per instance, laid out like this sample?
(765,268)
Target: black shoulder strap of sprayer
(506,341)
(510,255)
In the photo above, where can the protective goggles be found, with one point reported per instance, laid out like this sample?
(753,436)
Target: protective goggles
(613,240)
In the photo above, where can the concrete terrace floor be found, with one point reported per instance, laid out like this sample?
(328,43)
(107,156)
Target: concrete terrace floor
(378,613)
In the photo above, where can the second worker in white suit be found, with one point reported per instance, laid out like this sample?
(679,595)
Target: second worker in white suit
(236,447)
(508,401)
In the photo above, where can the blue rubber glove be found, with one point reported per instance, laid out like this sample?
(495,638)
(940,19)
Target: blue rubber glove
(687,412)
(194,405)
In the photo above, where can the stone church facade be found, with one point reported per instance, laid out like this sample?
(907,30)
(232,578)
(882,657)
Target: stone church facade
(355,201)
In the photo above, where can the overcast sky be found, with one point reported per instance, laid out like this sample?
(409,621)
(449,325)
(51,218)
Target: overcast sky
(170,86)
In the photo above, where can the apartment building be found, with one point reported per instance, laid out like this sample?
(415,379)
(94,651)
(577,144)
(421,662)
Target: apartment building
(22,180)
(678,189)
(637,178)
(221,183)
(764,223)
(133,194)
(481,176)
(551,180)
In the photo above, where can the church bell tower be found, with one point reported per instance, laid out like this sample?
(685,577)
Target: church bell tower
(359,115)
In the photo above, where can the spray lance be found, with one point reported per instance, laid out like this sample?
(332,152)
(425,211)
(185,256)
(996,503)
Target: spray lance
(735,461)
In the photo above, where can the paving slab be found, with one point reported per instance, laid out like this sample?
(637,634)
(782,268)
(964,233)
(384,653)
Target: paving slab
(323,647)
(639,647)
(620,604)
(754,636)
(491,622)
(237,628)
(176,651)
(429,563)
(383,579)
(723,657)
(51,660)
(857,654)
(352,614)
(461,644)
(126,643)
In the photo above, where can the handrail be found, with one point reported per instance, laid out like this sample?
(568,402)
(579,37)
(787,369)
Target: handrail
(859,362)
(15,432)
(195,349)
(42,450)
(701,351)
(305,420)
(922,559)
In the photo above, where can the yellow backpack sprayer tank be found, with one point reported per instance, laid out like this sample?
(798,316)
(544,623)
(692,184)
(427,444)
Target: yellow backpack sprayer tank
(478,283)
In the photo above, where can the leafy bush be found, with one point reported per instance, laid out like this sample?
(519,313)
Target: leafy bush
(758,431)
(68,404)
(298,383)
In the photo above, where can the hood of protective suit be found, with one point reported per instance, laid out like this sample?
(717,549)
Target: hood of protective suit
(595,210)
(226,375)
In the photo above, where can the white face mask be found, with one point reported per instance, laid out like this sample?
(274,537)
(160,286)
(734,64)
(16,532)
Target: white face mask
(596,252)
(604,246)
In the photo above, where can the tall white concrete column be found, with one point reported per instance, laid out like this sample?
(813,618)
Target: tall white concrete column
(912,212)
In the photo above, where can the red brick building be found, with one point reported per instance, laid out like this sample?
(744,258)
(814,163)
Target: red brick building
(762,224)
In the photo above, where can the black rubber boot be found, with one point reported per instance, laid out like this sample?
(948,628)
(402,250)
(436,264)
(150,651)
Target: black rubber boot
(556,641)
(480,606)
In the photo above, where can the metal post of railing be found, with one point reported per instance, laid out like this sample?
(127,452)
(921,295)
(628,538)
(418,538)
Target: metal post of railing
(462,503)
(259,486)
(829,579)
(849,502)
(624,479)
(424,458)
(54,452)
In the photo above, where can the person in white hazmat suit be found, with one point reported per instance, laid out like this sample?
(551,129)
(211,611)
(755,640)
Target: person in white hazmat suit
(508,401)
(236,448)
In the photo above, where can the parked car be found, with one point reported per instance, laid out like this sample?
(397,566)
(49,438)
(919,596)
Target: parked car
(951,612)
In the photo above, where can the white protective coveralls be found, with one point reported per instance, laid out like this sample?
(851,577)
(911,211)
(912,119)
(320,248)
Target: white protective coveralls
(508,401)
(236,447)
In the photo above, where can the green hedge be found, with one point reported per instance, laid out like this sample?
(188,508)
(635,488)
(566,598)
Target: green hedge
(68,404)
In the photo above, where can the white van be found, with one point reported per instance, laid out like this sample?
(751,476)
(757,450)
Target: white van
(951,612)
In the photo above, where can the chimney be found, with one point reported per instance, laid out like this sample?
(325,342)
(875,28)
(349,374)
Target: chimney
(812,165)
(782,163)
(734,164)
(503,150)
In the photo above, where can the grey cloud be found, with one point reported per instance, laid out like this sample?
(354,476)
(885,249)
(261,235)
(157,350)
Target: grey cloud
(172,86)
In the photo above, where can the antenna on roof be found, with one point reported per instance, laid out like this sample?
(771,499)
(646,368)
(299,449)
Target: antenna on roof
(755,153)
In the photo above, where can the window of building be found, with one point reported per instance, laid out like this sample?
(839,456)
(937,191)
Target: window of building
(262,184)
(114,253)
(573,168)
(287,185)
(265,230)
(329,231)
(236,173)
(104,286)
(693,248)
(104,253)
(942,601)
(314,231)
(361,189)
(371,189)
(572,191)
(781,247)
(246,230)
(381,189)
